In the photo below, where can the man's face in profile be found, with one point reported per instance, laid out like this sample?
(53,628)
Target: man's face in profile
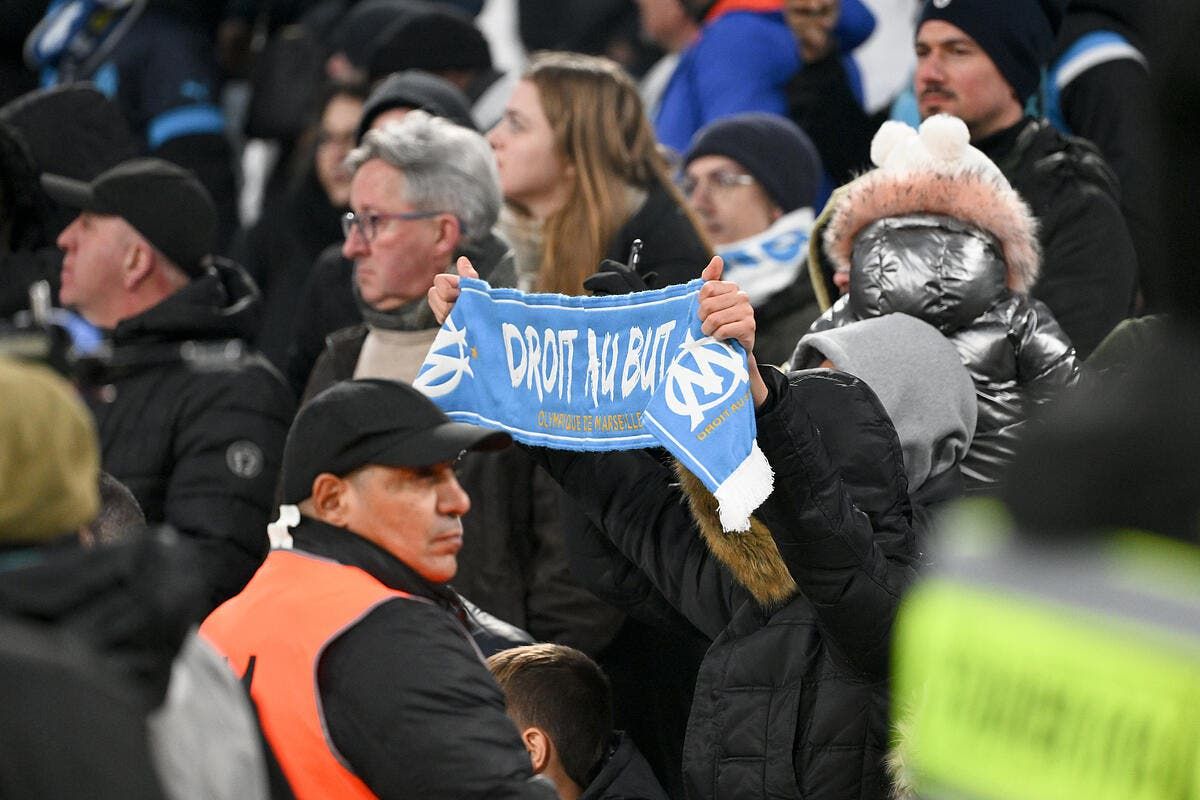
(414,513)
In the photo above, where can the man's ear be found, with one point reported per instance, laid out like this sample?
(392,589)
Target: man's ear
(138,264)
(330,499)
(538,744)
(449,235)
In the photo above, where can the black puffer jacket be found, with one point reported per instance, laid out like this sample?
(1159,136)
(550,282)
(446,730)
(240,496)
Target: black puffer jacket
(195,423)
(955,247)
(949,275)
(1089,267)
(791,700)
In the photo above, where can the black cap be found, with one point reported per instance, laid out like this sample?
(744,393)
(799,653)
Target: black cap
(164,202)
(416,89)
(387,423)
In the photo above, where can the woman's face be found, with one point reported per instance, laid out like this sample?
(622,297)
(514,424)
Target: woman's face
(533,173)
(335,139)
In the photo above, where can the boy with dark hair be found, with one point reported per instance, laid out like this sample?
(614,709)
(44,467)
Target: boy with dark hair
(561,703)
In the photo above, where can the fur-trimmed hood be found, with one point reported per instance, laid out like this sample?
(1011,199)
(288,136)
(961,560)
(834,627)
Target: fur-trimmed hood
(935,172)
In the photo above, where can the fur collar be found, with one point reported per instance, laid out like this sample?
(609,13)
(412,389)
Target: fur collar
(969,194)
(752,557)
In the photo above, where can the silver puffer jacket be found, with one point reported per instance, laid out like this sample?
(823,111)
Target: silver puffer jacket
(953,275)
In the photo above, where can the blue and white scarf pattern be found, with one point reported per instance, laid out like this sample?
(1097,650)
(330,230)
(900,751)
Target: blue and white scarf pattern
(618,372)
(769,262)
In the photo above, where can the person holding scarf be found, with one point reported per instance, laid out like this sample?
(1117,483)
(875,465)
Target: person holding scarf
(791,695)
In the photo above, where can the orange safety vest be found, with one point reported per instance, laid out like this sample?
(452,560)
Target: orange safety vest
(289,612)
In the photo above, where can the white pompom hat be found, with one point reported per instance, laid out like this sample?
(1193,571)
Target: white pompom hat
(935,171)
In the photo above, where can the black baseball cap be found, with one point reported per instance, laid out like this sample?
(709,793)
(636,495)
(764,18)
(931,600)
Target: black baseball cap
(164,202)
(388,423)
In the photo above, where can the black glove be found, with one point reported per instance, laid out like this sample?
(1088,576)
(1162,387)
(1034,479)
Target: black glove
(617,278)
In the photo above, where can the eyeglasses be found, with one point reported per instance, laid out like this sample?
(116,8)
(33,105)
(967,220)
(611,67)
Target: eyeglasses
(343,139)
(721,180)
(368,223)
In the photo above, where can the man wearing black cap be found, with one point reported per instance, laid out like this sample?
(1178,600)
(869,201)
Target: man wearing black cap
(355,650)
(981,61)
(189,419)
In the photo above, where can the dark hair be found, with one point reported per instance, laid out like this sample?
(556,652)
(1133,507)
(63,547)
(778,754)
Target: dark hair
(120,515)
(563,692)
(301,167)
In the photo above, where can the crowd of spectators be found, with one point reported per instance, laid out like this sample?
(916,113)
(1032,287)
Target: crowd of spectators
(243,555)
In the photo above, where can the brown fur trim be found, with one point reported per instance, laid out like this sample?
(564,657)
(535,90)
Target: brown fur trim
(968,195)
(898,762)
(752,557)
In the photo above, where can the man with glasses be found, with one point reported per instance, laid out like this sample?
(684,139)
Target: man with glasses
(191,419)
(752,179)
(424,192)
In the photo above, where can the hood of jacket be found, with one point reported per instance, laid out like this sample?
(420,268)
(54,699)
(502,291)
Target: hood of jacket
(935,268)
(223,303)
(969,195)
(133,603)
(918,376)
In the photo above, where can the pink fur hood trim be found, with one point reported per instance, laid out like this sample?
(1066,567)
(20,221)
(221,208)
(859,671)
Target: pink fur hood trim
(968,194)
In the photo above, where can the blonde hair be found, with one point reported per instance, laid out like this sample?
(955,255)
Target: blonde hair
(601,129)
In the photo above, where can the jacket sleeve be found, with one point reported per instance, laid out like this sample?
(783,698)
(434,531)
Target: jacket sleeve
(842,529)
(821,101)
(597,564)
(178,95)
(1109,104)
(631,497)
(415,713)
(557,607)
(1089,267)
(227,452)
(744,62)
(1046,362)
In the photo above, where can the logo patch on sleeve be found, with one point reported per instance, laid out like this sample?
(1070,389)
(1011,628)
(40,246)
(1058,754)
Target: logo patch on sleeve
(244,459)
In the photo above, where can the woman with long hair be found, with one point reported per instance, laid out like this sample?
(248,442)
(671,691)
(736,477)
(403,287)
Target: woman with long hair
(583,178)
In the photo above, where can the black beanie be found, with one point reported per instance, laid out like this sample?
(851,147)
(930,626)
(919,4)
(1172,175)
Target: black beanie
(1018,35)
(771,148)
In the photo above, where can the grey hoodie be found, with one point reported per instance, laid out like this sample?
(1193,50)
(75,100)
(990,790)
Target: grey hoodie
(918,376)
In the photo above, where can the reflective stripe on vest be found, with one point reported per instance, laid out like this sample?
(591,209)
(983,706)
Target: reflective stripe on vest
(1040,673)
(293,607)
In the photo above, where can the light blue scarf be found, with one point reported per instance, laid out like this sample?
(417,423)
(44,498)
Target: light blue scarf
(618,372)
(769,262)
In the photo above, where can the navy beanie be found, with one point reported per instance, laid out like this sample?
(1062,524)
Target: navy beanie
(771,148)
(1018,35)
